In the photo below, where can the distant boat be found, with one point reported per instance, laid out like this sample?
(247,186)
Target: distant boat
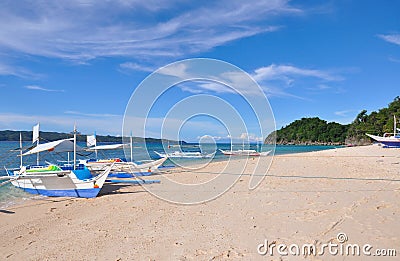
(243,152)
(249,153)
(182,154)
(388,139)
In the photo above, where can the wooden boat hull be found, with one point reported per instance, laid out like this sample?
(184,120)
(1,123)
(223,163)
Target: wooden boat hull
(129,167)
(387,141)
(243,153)
(187,155)
(60,184)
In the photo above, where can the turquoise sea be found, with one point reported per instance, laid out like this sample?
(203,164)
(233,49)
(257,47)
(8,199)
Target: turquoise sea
(9,159)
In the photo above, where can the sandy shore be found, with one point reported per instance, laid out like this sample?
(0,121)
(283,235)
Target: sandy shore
(306,198)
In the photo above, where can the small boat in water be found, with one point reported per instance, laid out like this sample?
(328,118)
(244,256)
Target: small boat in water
(182,154)
(388,139)
(244,152)
(248,153)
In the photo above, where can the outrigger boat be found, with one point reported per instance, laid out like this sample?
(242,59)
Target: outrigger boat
(182,154)
(119,165)
(244,153)
(52,180)
(388,139)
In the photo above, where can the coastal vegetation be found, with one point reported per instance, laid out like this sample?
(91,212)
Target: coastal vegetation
(310,131)
(317,131)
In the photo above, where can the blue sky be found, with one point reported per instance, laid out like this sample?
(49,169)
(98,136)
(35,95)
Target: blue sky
(79,61)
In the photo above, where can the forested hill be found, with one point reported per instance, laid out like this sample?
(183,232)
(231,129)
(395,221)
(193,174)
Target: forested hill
(9,135)
(377,122)
(317,131)
(310,131)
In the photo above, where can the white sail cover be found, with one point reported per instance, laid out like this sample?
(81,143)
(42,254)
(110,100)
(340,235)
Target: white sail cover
(35,132)
(65,145)
(91,140)
(108,147)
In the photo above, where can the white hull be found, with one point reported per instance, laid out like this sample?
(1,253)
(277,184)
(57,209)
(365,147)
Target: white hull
(59,183)
(128,167)
(251,153)
(388,141)
(189,155)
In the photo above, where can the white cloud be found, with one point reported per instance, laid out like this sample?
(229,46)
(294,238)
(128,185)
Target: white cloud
(178,70)
(80,31)
(391,38)
(343,113)
(284,72)
(273,80)
(393,59)
(77,113)
(6,69)
(39,88)
(136,67)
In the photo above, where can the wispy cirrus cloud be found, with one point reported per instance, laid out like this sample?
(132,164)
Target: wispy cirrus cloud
(391,38)
(344,113)
(285,72)
(136,67)
(273,79)
(39,88)
(83,114)
(6,69)
(81,31)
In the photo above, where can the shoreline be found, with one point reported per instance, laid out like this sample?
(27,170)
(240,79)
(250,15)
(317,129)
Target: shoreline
(306,197)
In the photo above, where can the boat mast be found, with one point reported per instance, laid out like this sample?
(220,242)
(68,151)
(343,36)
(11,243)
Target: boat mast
(35,138)
(20,148)
(131,140)
(37,155)
(74,146)
(394,119)
(95,144)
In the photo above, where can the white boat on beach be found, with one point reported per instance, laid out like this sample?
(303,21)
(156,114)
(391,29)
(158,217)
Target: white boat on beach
(119,165)
(123,166)
(52,180)
(388,139)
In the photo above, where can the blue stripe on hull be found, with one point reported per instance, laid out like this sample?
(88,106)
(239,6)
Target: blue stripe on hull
(76,193)
(391,143)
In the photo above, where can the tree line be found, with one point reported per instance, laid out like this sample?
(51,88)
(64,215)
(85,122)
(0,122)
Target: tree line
(317,131)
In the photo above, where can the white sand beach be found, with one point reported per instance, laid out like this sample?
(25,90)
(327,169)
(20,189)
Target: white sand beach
(306,198)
